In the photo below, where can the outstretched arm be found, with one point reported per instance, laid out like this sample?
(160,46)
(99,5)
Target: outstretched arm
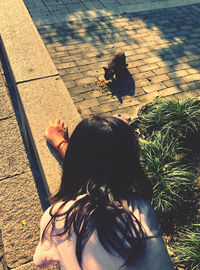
(55,134)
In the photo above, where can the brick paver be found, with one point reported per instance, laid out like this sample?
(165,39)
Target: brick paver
(161,47)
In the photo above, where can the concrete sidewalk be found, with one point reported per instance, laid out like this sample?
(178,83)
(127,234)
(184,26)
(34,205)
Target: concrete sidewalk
(20,185)
(24,188)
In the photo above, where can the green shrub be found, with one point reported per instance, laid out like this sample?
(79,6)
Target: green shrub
(177,118)
(187,248)
(172,181)
(169,136)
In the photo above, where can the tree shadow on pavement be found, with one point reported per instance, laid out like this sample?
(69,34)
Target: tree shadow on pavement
(173,35)
(162,48)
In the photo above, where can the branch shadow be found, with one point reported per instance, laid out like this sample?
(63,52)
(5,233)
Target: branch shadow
(171,34)
(176,42)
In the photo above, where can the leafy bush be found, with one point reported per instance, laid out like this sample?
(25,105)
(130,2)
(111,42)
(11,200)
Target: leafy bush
(177,118)
(169,136)
(165,128)
(172,181)
(187,248)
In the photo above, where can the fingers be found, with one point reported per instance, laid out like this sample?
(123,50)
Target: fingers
(123,117)
(57,122)
(55,132)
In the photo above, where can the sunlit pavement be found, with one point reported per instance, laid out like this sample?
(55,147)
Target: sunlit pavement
(161,46)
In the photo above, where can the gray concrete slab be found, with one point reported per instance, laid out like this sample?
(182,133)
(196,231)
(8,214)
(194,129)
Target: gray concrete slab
(25,50)
(42,101)
(6,109)
(19,218)
(20,209)
(12,155)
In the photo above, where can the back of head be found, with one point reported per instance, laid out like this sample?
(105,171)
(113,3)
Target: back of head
(105,152)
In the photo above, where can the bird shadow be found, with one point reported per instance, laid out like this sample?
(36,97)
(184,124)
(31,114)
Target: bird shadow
(122,85)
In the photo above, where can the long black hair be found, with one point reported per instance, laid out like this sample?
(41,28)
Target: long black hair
(102,162)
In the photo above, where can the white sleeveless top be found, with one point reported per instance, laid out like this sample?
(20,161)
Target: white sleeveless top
(95,257)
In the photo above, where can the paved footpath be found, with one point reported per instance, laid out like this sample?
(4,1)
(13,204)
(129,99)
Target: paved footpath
(162,49)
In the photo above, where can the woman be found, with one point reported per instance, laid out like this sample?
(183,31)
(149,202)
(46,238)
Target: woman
(100,218)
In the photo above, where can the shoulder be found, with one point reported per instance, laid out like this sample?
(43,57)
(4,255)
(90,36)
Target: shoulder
(58,211)
(146,215)
(50,212)
(137,201)
(46,217)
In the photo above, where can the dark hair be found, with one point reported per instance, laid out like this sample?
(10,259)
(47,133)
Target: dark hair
(102,161)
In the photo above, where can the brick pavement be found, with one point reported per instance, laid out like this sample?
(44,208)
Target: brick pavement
(162,52)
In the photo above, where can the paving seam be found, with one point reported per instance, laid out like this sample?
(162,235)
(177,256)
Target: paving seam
(51,76)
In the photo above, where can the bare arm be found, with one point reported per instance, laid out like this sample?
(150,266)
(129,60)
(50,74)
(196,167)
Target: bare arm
(55,133)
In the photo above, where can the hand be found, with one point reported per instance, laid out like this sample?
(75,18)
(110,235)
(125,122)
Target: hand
(55,132)
(123,117)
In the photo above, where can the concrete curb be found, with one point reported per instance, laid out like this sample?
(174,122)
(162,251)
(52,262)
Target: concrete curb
(42,95)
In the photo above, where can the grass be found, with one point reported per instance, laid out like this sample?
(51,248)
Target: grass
(187,248)
(169,136)
(178,119)
(172,181)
